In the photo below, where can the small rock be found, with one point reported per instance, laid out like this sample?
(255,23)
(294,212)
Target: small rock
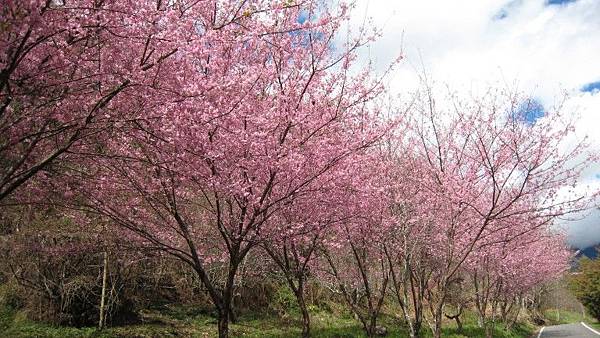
(381,331)
(539,321)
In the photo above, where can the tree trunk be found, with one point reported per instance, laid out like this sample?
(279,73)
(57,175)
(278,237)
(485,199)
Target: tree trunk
(223,323)
(373,324)
(415,329)
(456,317)
(369,327)
(514,319)
(295,271)
(437,331)
(417,296)
(489,330)
(305,315)
(226,311)
(437,320)
(305,323)
(401,289)
(101,321)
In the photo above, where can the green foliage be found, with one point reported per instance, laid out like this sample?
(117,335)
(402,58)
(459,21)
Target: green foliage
(586,285)
(284,300)
(10,297)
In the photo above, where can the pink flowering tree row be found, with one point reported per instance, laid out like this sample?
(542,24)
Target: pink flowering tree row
(206,130)
(504,273)
(255,121)
(479,178)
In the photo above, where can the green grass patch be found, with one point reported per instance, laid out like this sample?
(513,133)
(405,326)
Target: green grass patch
(180,321)
(520,330)
(471,329)
(557,317)
(15,324)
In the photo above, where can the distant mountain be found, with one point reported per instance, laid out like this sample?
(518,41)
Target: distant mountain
(589,252)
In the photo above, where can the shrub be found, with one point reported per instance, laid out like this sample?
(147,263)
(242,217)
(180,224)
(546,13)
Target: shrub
(586,285)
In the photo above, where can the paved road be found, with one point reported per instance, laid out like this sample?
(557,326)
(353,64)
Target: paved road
(577,330)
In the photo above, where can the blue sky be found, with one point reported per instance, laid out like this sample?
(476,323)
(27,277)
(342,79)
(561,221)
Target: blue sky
(303,16)
(592,87)
(548,49)
(531,110)
(559,2)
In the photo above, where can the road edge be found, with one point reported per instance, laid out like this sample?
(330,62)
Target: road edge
(589,328)
(540,333)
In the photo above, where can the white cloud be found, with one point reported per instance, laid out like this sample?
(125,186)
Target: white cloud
(546,51)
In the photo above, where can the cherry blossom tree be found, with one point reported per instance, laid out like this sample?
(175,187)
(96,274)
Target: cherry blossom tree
(352,255)
(347,214)
(301,237)
(295,251)
(67,70)
(407,248)
(359,273)
(260,113)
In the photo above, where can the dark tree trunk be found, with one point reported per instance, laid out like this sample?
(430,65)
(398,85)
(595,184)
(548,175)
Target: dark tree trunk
(416,329)
(456,317)
(223,325)
(437,324)
(226,311)
(373,325)
(305,314)
(438,312)
(295,270)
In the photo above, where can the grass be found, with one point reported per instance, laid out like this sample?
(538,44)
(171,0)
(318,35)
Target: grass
(470,329)
(590,321)
(15,324)
(566,317)
(171,321)
(555,317)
